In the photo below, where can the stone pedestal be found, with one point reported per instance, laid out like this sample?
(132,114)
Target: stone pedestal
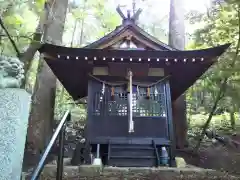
(14,112)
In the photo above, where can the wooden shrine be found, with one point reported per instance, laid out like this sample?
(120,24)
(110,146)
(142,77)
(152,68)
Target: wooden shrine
(131,80)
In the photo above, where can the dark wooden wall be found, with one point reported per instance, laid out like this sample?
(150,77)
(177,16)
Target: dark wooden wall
(116,126)
(105,122)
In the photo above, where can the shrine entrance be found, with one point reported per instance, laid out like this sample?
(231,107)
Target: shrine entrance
(110,109)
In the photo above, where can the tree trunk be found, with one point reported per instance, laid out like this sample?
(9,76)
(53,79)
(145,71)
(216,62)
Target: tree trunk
(232,111)
(232,119)
(177,40)
(74,31)
(220,95)
(42,112)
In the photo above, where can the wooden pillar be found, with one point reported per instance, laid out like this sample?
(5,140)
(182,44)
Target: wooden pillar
(177,40)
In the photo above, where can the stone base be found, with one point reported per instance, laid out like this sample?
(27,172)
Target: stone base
(111,173)
(14,112)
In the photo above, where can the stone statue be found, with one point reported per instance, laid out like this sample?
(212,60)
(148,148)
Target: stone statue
(14,109)
(11,72)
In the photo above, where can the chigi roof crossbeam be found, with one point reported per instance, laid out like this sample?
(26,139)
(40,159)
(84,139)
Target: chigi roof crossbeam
(132,18)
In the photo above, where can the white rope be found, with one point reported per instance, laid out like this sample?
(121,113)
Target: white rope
(141,85)
(107,83)
(151,84)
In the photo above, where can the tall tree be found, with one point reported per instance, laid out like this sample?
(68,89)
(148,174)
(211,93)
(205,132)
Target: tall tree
(177,40)
(43,99)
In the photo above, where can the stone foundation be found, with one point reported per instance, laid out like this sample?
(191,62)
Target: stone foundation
(111,173)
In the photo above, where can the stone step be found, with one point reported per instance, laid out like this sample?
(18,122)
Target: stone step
(89,172)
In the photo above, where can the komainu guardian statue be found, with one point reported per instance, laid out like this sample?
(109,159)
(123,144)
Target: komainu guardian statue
(15,105)
(11,72)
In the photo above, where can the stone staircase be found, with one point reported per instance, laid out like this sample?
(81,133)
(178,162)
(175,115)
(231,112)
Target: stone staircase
(90,172)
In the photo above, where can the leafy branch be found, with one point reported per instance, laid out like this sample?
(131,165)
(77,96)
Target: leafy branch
(10,38)
(222,88)
(24,37)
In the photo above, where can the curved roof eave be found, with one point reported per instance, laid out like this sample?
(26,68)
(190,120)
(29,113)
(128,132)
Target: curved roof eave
(54,50)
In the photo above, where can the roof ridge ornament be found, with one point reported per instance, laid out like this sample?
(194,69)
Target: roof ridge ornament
(129,18)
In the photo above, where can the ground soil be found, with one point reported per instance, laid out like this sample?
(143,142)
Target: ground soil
(215,156)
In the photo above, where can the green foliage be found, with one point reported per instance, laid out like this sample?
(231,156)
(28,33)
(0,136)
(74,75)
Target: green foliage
(219,26)
(36,6)
(64,102)
(94,15)
(20,22)
(16,19)
(220,123)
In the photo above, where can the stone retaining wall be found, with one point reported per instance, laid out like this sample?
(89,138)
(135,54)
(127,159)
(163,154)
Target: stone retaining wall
(110,173)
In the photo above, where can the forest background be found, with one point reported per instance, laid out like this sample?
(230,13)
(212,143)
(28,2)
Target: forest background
(213,101)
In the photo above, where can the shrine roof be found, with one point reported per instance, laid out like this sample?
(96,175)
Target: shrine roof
(129,26)
(73,65)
